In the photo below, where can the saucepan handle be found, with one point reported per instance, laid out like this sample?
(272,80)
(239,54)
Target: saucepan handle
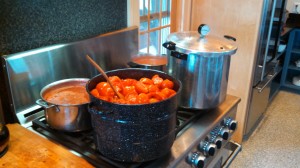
(45,105)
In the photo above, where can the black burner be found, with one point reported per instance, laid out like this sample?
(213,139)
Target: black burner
(83,142)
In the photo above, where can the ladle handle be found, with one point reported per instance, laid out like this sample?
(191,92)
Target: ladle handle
(105,76)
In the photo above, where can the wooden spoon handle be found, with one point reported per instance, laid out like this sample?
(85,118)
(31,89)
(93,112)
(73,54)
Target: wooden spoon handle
(105,76)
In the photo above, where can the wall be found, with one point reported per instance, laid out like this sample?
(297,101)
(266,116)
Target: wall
(32,24)
(239,19)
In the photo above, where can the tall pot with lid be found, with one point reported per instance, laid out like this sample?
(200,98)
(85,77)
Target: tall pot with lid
(201,62)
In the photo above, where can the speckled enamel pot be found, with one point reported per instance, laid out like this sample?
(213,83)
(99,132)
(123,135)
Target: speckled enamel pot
(133,133)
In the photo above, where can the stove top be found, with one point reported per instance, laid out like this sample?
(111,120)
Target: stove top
(201,136)
(83,143)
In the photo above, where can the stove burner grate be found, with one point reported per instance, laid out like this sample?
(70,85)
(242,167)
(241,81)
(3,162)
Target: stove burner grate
(83,142)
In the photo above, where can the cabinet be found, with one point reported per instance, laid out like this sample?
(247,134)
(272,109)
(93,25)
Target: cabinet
(290,70)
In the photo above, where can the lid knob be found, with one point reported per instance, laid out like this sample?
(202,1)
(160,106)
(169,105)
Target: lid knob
(203,30)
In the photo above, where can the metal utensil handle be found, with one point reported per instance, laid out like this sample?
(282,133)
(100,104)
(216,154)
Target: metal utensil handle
(237,148)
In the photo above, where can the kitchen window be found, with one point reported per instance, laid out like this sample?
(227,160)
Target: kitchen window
(155,25)
(157,19)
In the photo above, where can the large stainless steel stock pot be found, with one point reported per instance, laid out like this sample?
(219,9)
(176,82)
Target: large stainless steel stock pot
(201,62)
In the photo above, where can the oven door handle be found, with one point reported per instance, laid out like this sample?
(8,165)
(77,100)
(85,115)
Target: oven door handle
(237,148)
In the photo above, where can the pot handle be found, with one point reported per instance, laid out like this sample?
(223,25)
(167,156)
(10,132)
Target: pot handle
(45,104)
(172,46)
(132,65)
(179,55)
(230,37)
(169,45)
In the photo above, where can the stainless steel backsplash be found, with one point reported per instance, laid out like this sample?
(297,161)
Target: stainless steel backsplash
(26,73)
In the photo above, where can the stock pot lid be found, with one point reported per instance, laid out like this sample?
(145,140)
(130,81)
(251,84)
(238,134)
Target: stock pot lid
(193,42)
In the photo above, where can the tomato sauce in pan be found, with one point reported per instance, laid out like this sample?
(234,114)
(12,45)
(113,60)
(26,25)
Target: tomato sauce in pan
(70,95)
(150,60)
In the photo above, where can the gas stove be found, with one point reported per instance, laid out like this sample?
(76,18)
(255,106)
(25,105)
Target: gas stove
(203,140)
(203,137)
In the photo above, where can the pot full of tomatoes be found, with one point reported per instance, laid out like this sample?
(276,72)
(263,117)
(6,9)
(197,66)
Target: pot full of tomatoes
(141,126)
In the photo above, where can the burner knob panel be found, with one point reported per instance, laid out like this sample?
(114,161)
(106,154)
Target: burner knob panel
(230,123)
(197,160)
(207,148)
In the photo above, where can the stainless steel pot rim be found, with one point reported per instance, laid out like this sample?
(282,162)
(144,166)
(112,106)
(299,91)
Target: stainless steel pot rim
(60,82)
(192,42)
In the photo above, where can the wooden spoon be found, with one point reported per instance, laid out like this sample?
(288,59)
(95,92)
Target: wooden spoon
(105,76)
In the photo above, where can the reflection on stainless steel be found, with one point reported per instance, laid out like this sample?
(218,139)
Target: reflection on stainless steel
(39,67)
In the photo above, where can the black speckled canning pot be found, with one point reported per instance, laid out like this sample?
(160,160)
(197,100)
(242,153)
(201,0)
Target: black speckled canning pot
(133,133)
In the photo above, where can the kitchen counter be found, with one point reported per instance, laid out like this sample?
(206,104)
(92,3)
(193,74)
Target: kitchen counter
(27,149)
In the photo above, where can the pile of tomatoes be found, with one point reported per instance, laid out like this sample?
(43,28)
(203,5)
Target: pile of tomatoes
(142,91)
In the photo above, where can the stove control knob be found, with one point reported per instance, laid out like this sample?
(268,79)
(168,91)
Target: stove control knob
(221,131)
(207,148)
(218,142)
(214,138)
(224,133)
(230,123)
(196,159)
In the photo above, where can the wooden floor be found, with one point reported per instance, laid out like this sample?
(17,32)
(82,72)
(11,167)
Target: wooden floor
(276,141)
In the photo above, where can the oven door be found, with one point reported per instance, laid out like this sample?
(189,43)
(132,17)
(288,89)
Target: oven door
(225,157)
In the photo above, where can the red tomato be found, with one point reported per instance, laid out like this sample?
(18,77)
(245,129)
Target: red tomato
(129,90)
(143,98)
(146,81)
(103,98)
(131,98)
(119,101)
(95,92)
(104,89)
(141,88)
(153,88)
(117,82)
(157,80)
(128,82)
(153,100)
(114,79)
(157,95)
(168,92)
(167,84)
